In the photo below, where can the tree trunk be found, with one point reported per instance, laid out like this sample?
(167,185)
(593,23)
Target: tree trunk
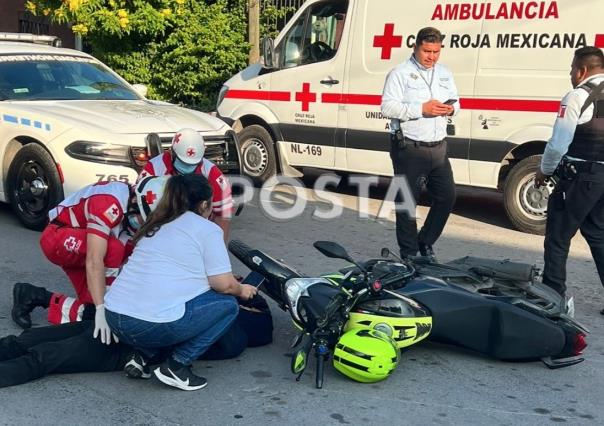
(254,30)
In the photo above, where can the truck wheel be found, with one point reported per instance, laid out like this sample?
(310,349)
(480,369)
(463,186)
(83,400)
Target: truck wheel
(525,205)
(34,185)
(257,153)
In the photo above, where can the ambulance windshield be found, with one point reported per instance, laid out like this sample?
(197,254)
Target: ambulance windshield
(315,36)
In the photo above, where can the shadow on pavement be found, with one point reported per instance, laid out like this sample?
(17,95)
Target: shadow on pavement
(480,204)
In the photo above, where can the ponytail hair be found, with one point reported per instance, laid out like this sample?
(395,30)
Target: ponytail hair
(182,193)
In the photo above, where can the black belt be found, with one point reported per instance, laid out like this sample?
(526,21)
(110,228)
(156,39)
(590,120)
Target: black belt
(422,143)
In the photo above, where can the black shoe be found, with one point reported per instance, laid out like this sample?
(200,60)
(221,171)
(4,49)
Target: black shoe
(602,312)
(426,250)
(25,298)
(183,378)
(136,367)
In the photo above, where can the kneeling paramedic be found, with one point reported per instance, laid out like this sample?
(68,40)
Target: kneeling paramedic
(88,237)
(186,156)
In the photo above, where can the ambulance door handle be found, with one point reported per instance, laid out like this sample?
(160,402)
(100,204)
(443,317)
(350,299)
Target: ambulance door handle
(330,81)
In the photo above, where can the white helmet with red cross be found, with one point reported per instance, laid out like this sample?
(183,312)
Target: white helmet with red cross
(188,146)
(148,193)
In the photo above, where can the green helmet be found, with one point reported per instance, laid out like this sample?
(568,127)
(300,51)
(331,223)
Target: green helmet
(365,355)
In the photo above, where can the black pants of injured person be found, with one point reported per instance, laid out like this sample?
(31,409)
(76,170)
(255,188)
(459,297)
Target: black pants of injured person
(425,167)
(576,204)
(70,348)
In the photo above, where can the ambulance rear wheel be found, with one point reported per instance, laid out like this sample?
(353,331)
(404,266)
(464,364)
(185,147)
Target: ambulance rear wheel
(525,205)
(258,158)
(34,185)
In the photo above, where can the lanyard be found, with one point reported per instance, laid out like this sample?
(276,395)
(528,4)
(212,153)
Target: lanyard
(419,71)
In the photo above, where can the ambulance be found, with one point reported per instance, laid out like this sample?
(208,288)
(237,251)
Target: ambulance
(314,100)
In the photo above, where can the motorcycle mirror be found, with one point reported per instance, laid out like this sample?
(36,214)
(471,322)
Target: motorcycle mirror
(333,250)
(385,252)
(336,251)
(300,357)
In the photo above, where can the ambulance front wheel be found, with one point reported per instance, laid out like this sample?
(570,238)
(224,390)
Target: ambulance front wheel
(525,205)
(34,185)
(257,153)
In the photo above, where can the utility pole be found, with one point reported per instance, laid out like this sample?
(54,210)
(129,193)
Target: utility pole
(254,30)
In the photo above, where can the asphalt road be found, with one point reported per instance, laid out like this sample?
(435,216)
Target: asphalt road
(434,384)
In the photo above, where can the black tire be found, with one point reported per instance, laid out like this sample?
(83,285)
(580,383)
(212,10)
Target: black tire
(525,205)
(241,251)
(258,157)
(34,186)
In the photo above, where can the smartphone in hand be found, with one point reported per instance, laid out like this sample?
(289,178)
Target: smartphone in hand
(254,278)
(450,101)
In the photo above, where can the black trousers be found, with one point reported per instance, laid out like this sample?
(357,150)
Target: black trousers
(425,168)
(574,205)
(70,348)
(65,348)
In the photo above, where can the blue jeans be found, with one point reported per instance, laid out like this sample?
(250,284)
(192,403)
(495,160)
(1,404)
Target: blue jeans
(206,318)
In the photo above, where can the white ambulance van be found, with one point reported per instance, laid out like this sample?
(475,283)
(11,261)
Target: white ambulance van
(315,99)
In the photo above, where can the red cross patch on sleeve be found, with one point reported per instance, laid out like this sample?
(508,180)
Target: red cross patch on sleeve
(222,182)
(562,111)
(112,213)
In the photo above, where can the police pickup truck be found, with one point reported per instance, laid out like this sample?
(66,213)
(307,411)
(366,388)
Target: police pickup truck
(67,120)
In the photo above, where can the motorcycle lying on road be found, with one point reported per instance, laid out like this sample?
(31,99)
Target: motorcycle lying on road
(497,308)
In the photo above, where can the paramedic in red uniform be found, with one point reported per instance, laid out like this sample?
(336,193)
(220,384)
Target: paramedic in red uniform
(415,99)
(186,157)
(87,237)
(575,153)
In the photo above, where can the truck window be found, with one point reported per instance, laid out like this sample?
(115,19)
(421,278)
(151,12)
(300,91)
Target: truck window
(315,36)
(71,78)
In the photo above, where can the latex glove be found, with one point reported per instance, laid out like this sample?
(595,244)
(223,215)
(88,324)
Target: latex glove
(101,328)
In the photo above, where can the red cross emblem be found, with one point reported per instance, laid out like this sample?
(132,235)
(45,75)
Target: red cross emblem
(150,197)
(70,244)
(115,211)
(176,138)
(306,96)
(387,41)
(190,152)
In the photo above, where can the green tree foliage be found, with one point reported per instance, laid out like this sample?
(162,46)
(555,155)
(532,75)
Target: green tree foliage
(183,50)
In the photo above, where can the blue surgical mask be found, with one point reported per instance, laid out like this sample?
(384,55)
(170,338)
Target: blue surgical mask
(184,168)
(134,221)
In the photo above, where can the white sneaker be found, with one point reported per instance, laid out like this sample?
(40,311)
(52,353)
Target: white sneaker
(182,378)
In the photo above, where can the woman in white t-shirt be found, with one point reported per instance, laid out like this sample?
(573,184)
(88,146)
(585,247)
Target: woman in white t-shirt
(177,288)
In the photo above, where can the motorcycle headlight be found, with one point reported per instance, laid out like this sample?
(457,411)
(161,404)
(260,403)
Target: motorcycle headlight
(384,328)
(295,288)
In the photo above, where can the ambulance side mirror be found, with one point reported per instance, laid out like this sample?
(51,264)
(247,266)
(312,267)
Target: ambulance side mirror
(268,52)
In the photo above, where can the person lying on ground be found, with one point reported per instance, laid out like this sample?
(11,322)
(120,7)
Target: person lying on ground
(71,348)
